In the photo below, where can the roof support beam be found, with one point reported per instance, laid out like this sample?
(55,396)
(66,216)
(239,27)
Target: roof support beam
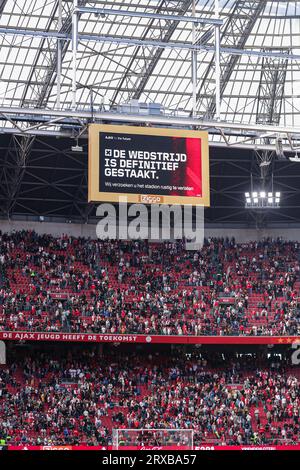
(2,6)
(139,86)
(161,119)
(44,87)
(71,135)
(150,62)
(15,173)
(53,71)
(271,89)
(269,103)
(154,16)
(138,42)
(236,32)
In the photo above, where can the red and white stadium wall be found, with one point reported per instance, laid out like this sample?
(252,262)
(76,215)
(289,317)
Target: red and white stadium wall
(145,339)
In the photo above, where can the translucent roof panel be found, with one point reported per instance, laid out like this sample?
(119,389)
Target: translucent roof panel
(254,88)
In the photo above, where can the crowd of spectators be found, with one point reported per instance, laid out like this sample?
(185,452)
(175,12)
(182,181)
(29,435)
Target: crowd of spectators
(49,399)
(81,285)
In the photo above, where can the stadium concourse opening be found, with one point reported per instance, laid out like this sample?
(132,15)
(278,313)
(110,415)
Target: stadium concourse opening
(175,333)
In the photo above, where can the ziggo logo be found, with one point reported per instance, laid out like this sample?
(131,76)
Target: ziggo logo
(204,448)
(56,448)
(150,199)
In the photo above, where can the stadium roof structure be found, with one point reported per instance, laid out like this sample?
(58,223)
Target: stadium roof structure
(229,66)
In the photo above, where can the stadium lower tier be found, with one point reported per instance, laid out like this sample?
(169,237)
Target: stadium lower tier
(77,285)
(71,396)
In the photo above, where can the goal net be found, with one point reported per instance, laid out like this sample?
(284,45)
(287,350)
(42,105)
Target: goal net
(140,439)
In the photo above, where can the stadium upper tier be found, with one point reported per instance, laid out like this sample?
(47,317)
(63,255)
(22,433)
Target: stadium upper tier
(77,285)
(47,398)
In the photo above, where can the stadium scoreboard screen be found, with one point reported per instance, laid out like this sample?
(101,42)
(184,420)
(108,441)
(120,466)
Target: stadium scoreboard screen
(148,165)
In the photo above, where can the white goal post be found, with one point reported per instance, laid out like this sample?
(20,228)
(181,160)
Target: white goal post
(153,438)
